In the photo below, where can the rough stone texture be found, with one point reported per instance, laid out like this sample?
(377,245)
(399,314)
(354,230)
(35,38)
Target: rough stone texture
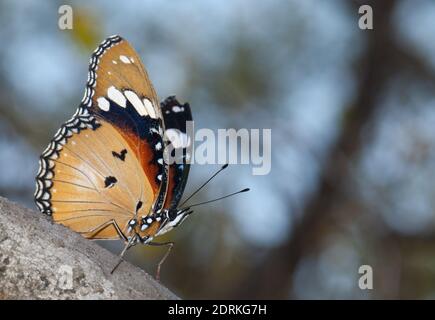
(40,259)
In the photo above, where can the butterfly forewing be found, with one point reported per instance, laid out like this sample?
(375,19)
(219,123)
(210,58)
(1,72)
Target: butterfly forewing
(175,117)
(116,64)
(124,96)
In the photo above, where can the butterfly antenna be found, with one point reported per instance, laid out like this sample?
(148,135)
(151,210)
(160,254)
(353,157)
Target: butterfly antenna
(217,199)
(205,183)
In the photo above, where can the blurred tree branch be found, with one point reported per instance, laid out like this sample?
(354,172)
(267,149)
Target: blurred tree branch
(382,59)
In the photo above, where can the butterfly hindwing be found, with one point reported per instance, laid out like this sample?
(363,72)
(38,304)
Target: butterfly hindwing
(91,186)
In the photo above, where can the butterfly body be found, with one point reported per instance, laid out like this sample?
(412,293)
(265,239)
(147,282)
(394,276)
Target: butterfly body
(104,173)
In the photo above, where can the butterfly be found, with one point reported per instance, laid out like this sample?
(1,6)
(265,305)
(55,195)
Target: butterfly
(105,174)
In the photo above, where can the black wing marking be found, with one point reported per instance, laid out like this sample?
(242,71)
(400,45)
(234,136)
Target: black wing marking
(175,116)
(120,155)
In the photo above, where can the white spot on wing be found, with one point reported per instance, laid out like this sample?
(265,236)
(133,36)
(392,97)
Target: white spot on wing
(149,106)
(177,109)
(103,104)
(116,96)
(135,101)
(124,59)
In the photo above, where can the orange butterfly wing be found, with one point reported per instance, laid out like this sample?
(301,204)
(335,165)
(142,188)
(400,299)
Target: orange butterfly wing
(106,163)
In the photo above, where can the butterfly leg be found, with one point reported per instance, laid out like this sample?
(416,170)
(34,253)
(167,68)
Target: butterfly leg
(104,225)
(129,244)
(113,223)
(169,245)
